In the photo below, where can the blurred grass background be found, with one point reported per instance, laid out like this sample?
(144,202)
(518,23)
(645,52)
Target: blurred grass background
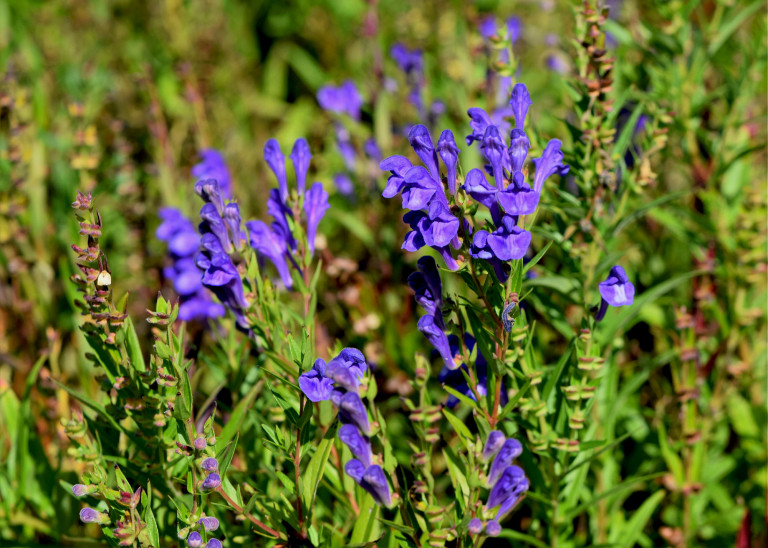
(117,97)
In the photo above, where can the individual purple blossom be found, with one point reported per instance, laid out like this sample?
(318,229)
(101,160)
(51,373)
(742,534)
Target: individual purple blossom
(397,166)
(355,470)
(475,526)
(520,101)
(222,277)
(419,188)
(233,222)
(519,145)
(615,290)
(211,481)
(492,445)
(270,244)
(200,443)
(492,528)
(438,339)
(315,206)
(506,243)
(80,490)
(210,464)
(276,162)
(449,154)
(214,224)
(344,99)
(507,484)
(550,162)
(495,151)
(315,385)
(509,451)
(347,369)
(89,515)
(358,445)
(210,192)
(427,287)
(213,543)
(478,123)
(209,523)
(194,540)
(422,145)
(300,156)
(213,166)
(375,482)
(352,411)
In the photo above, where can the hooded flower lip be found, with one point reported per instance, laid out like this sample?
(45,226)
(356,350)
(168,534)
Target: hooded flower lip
(550,163)
(520,101)
(352,411)
(478,123)
(276,162)
(420,188)
(300,156)
(449,153)
(315,206)
(494,443)
(617,290)
(421,141)
(495,151)
(359,446)
(355,470)
(315,385)
(506,243)
(375,482)
(518,198)
(519,145)
(507,485)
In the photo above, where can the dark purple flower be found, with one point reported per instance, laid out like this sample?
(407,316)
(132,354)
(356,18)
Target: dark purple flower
(210,464)
(315,206)
(475,526)
(442,227)
(419,188)
(194,540)
(375,482)
(476,185)
(276,162)
(223,279)
(495,441)
(438,339)
(347,369)
(358,445)
(520,101)
(518,198)
(508,482)
(550,162)
(233,221)
(506,243)
(449,153)
(211,481)
(209,523)
(616,290)
(271,245)
(315,385)
(89,515)
(427,286)
(300,156)
(510,450)
(213,166)
(214,224)
(352,411)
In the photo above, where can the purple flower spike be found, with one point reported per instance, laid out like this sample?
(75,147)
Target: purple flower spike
(422,145)
(493,444)
(214,543)
(375,482)
(210,464)
(300,156)
(269,244)
(518,198)
(315,385)
(209,523)
(194,540)
(213,166)
(449,153)
(520,103)
(212,481)
(437,338)
(352,411)
(495,150)
(315,206)
(551,162)
(493,529)
(617,290)
(519,145)
(475,526)
(355,470)
(89,515)
(510,450)
(507,485)
(358,445)
(276,162)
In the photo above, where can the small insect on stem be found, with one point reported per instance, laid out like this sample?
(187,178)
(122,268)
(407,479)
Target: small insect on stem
(506,319)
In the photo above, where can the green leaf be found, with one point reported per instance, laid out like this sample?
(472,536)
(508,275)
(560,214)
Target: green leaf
(630,532)
(152,531)
(133,347)
(673,460)
(316,469)
(88,402)
(537,257)
(464,434)
(225,457)
(236,418)
(365,525)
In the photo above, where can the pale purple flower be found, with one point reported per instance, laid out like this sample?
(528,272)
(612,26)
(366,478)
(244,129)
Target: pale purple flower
(315,206)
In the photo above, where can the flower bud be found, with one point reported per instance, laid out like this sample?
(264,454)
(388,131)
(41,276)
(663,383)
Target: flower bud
(212,481)
(214,543)
(80,490)
(209,523)
(89,515)
(493,529)
(210,464)
(475,526)
(200,443)
(195,540)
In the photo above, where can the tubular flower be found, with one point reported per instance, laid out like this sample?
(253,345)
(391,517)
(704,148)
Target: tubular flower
(616,290)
